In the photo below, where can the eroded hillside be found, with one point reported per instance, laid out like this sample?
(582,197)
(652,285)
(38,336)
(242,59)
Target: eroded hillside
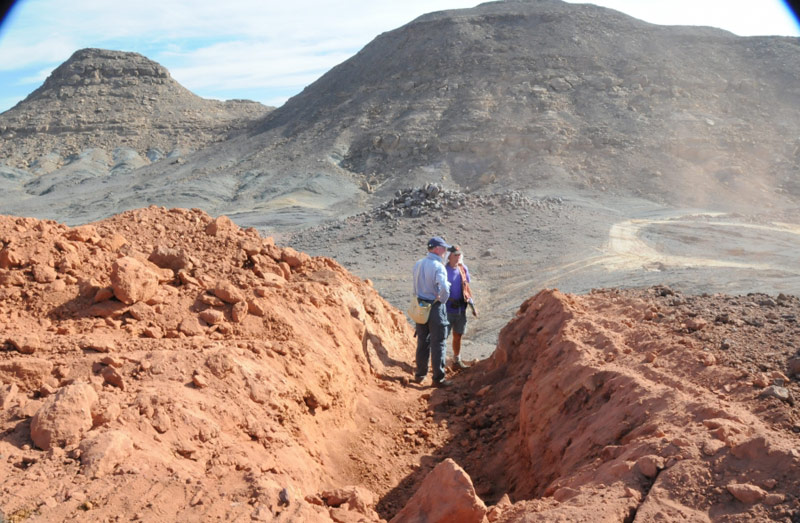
(544,97)
(162,364)
(105,110)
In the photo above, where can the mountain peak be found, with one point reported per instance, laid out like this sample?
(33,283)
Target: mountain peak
(102,66)
(92,72)
(107,99)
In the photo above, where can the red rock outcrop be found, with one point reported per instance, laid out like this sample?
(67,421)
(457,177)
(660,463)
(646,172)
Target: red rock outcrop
(64,418)
(614,413)
(172,383)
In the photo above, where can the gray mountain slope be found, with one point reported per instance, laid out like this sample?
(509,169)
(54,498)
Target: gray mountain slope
(539,96)
(547,94)
(109,100)
(97,117)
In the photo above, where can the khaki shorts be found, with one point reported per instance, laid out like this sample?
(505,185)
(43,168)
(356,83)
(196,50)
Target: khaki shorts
(458,322)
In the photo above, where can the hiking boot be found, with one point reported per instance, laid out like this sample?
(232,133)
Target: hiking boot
(442,383)
(458,364)
(418,379)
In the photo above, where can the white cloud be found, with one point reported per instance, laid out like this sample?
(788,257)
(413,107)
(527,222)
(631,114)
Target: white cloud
(36,79)
(160,21)
(741,17)
(17,55)
(239,65)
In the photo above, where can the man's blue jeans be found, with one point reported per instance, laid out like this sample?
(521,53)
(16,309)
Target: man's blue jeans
(431,338)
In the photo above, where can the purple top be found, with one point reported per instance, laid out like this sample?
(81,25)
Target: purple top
(456,303)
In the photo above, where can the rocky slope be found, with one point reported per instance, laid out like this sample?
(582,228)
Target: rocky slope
(546,94)
(121,108)
(162,364)
(152,358)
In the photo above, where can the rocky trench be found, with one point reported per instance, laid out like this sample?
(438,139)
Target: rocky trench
(252,381)
(594,408)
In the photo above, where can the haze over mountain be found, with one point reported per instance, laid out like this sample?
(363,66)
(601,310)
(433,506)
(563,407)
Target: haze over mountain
(543,96)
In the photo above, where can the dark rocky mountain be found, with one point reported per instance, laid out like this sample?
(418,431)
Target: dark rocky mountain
(544,94)
(122,104)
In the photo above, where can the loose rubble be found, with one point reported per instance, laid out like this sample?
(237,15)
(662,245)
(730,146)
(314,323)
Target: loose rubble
(420,201)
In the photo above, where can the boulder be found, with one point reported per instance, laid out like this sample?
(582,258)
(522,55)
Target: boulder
(44,273)
(293,257)
(98,344)
(257,307)
(114,242)
(142,312)
(132,280)
(650,465)
(191,326)
(169,258)
(10,258)
(212,316)
(220,225)
(83,233)
(112,377)
(25,343)
(64,418)
(445,496)
(101,453)
(239,311)
(746,493)
(228,292)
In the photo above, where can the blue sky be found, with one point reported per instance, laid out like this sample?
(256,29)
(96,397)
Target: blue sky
(269,50)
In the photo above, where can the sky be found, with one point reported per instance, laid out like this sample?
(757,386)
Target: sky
(269,50)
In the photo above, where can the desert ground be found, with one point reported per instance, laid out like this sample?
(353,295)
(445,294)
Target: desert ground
(516,244)
(201,302)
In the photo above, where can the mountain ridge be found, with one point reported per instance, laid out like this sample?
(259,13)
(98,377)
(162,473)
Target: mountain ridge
(542,97)
(109,99)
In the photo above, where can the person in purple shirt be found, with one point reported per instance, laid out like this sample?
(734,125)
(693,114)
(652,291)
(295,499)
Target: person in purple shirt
(460,298)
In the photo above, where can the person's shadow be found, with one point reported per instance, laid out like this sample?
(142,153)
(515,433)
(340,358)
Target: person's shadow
(373,348)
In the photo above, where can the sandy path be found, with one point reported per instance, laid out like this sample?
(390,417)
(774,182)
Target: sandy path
(626,250)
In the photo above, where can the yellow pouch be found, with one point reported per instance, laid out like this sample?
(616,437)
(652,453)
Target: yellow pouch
(418,311)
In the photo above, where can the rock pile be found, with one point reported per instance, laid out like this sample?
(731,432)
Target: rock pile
(166,351)
(432,198)
(651,416)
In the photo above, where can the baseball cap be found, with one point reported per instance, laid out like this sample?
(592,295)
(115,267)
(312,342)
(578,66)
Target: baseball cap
(437,241)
